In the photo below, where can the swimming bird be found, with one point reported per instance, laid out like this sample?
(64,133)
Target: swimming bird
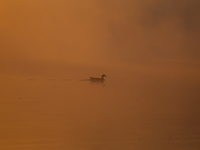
(94,79)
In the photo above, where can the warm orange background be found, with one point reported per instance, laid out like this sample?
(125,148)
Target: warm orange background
(152,36)
(149,49)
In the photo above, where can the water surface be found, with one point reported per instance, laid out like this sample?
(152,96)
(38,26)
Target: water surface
(138,113)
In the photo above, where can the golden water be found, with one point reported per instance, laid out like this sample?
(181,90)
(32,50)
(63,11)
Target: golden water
(141,113)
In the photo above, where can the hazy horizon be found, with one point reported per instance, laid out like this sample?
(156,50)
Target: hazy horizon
(156,35)
(149,50)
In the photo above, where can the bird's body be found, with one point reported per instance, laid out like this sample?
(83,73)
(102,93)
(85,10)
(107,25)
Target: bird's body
(100,80)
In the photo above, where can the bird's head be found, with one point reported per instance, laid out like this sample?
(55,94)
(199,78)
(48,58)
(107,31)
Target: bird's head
(104,75)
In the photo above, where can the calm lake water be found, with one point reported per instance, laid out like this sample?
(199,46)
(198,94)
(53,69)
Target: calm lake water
(140,113)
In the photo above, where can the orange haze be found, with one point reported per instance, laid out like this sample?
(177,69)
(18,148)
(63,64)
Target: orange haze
(156,36)
(149,49)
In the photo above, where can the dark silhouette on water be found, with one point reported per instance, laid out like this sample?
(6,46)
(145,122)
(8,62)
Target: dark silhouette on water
(98,80)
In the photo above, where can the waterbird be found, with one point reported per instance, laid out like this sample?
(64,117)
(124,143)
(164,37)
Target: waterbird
(94,79)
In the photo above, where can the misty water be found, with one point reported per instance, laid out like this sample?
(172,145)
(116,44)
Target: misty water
(149,50)
(140,113)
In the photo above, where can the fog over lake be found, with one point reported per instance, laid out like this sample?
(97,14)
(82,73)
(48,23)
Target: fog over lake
(149,51)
